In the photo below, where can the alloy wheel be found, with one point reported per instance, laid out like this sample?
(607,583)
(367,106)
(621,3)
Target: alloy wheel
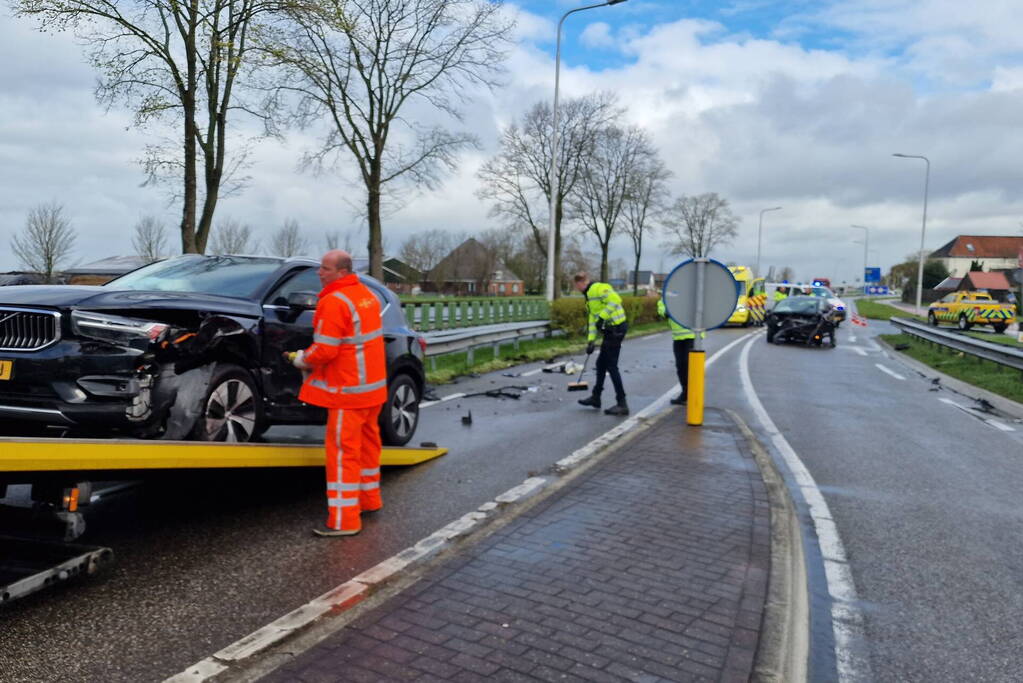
(404,412)
(231,412)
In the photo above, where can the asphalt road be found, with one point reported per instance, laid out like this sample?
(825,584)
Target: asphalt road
(925,493)
(202,561)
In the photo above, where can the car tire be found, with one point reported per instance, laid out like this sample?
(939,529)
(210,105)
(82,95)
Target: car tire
(964,324)
(232,407)
(932,319)
(399,417)
(999,328)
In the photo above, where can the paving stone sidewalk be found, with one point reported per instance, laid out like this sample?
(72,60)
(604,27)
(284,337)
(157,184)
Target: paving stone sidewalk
(651,566)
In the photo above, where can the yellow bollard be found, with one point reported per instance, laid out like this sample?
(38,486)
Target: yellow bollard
(694,388)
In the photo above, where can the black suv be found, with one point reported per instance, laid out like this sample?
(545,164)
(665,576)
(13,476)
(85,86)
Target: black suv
(186,348)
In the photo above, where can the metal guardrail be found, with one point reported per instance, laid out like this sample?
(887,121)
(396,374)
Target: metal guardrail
(469,339)
(1002,354)
(449,314)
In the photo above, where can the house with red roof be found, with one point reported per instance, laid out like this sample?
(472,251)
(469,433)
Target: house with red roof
(994,252)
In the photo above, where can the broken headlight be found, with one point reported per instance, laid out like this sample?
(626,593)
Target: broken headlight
(114,328)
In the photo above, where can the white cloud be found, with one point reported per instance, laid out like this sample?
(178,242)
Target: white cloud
(597,36)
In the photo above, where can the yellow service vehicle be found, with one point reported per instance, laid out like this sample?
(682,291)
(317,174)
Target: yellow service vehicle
(751,306)
(967,309)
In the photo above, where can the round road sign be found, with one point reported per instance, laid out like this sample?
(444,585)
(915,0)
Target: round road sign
(682,294)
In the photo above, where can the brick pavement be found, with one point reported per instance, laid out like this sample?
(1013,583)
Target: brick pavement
(651,566)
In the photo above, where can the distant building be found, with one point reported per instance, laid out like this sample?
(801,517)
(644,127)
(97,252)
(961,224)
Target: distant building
(103,271)
(993,251)
(472,269)
(993,283)
(949,284)
(644,279)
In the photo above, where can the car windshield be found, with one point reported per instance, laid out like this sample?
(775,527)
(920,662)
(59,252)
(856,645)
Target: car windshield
(237,276)
(823,292)
(802,305)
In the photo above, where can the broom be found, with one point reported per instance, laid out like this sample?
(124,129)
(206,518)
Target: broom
(580,385)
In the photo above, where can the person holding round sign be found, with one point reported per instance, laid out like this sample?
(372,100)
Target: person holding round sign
(606,315)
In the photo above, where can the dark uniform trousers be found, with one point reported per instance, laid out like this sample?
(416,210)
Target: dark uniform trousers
(607,360)
(682,347)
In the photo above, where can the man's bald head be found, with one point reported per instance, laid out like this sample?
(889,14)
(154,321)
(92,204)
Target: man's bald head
(335,264)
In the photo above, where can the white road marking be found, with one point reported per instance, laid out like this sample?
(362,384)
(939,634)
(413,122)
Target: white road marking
(846,617)
(852,337)
(427,404)
(337,599)
(890,372)
(531,372)
(857,349)
(1001,426)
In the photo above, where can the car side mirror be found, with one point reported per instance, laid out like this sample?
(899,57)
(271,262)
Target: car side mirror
(303,301)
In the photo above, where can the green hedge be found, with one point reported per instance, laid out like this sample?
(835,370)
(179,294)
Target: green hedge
(569,314)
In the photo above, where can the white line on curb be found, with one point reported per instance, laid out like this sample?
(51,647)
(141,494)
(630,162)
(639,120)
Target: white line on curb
(890,372)
(352,591)
(846,618)
(974,413)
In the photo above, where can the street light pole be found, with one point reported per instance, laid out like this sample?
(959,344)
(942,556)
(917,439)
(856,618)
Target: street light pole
(923,229)
(866,246)
(760,229)
(554,181)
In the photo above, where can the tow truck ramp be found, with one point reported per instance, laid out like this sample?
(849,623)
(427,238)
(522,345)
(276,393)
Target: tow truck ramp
(59,466)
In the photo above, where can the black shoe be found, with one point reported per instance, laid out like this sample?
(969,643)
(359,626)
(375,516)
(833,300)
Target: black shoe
(327,531)
(679,400)
(622,408)
(593,401)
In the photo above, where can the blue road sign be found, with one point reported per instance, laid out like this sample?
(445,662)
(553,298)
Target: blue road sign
(872,275)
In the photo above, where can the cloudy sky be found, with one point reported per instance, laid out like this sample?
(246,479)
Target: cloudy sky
(797,104)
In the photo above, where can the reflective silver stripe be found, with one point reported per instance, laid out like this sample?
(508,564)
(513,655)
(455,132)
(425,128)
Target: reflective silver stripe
(356,321)
(362,337)
(364,388)
(360,357)
(337,440)
(327,341)
(321,384)
(360,361)
(371,485)
(342,502)
(370,473)
(341,486)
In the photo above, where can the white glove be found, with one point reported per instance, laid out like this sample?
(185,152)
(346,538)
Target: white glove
(297,359)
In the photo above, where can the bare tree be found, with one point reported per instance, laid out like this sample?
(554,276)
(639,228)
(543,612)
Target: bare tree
(424,250)
(287,240)
(233,237)
(46,241)
(170,59)
(787,273)
(605,184)
(517,180)
(645,201)
(336,239)
(150,239)
(576,259)
(697,224)
(360,64)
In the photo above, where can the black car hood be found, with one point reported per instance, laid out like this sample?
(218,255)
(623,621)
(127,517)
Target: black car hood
(100,298)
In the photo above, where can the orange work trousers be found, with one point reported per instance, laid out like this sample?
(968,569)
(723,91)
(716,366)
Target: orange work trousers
(353,466)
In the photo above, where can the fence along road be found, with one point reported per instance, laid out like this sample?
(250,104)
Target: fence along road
(448,314)
(1002,354)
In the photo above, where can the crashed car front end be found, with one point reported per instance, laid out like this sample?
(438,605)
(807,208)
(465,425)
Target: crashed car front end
(118,370)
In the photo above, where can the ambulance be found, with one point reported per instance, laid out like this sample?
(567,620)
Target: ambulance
(750,306)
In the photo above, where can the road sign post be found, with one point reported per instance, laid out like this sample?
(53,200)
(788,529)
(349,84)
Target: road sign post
(699,294)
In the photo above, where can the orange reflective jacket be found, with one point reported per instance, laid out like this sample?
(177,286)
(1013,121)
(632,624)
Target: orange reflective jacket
(347,357)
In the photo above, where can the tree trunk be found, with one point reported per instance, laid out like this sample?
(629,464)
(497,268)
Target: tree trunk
(603,260)
(188,245)
(559,214)
(635,278)
(375,244)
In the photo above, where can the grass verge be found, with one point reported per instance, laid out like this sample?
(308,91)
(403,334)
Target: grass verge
(878,311)
(980,373)
(452,365)
(996,338)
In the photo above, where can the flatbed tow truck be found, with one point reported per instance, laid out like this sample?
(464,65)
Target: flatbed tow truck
(36,541)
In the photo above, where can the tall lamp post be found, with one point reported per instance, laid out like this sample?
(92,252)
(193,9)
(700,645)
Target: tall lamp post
(760,229)
(923,229)
(551,242)
(866,246)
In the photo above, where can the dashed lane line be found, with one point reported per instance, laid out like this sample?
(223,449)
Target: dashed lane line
(451,397)
(857,349)
(890,372)
(846,617)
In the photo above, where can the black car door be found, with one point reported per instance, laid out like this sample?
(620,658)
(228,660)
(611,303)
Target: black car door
(287,329)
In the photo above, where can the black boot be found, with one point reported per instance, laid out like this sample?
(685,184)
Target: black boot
(679,400)
(621,408)
(593,401)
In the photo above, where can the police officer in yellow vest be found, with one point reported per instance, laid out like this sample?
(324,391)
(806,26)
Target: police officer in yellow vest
(682,343)
(605,315)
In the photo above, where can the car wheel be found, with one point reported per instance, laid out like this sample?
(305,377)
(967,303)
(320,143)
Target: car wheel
(400,415)
(932,319)
(232,409)
(964,324)
(999,328)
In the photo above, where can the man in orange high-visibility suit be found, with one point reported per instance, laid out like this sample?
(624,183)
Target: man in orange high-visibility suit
(348,376)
